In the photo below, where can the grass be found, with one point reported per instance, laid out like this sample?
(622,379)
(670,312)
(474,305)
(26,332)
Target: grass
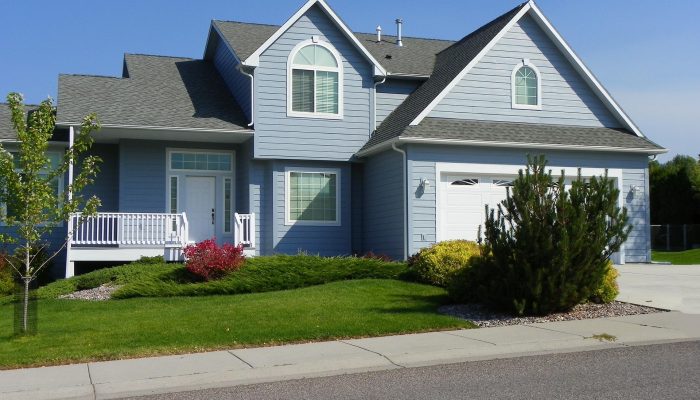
(74,331)
(687,257)
(259,274)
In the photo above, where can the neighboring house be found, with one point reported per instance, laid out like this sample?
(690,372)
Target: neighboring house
(310,137)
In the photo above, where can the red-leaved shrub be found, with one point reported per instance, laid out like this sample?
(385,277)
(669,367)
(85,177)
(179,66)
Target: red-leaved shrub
(210,261)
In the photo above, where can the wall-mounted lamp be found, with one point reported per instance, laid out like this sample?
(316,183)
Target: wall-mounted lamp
(634,189)
(424,183)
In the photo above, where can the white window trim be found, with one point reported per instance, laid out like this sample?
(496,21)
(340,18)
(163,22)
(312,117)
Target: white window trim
(526,63)
(339,70)
(61,188)
(170,151)
(338,192)
(231,204)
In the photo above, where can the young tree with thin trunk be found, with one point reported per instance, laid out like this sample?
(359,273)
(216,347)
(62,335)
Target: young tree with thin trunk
(33,207)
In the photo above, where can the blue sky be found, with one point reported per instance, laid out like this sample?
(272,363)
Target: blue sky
(645,52)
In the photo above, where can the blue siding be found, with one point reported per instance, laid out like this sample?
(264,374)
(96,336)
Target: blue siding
(280,136)
(383,230)
(238,84)
(260,203)
(357,195)
(392,93)
(422,205)
(323,240)
(485,92)
(106,186)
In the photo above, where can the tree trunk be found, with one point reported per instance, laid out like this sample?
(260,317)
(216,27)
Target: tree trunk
(25,308)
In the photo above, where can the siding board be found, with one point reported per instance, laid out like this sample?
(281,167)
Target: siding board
(485,92)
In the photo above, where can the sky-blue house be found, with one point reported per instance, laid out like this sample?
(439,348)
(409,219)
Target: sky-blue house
(311,137)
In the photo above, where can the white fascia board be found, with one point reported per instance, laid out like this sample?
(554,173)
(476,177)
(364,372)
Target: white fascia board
(543,146)
(515,145)
(254,59)
(471,65)
(588,76)
(160,128)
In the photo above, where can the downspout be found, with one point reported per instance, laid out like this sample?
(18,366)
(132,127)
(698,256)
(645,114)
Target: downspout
(374,104)
(71,140)
(405,198)
(239,67)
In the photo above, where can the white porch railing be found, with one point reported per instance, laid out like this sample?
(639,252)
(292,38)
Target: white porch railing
(245,229)
(128,229)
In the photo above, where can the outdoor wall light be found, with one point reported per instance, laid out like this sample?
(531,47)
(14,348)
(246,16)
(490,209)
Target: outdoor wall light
(424,183)
(634,189)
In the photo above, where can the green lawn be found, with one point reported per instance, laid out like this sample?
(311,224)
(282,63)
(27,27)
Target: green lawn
(677,257)
(72,331)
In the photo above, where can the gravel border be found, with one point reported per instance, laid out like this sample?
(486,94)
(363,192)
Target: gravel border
(484,318)
(100,293)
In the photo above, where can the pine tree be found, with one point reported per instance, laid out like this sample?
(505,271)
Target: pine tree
(546,247)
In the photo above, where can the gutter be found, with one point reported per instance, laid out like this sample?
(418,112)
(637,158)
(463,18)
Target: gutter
(515,145)
(160,128)
(405,198)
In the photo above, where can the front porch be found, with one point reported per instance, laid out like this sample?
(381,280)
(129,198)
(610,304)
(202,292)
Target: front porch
(127,237)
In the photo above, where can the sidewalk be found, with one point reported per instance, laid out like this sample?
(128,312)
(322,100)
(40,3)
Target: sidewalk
(114,379)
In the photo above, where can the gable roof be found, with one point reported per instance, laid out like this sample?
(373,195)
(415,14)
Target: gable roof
(456,61)
(449,63)
(7,130)
(155,92)
(254,58)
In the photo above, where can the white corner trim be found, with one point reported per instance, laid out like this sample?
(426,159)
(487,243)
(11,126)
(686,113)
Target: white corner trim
(471,65)
(514,104)
(581,67)
(254,59)
(338,193)
(339,70)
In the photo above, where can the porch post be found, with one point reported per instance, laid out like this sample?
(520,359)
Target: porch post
(70,265)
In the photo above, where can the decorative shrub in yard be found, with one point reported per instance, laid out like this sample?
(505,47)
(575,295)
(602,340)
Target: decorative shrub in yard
(438,263)
(210,261)
(608,289)
(546,249)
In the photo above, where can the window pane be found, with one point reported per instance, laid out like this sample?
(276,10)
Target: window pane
(227,205)
(312,196)
(305,56)
(303,90)
(325,58)
(201,161)
(526,86)
(173,195)
(327,92)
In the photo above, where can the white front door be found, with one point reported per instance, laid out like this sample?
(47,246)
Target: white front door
(200,207)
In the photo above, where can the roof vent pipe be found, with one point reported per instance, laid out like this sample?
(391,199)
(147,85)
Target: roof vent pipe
(399,25)
(379,33)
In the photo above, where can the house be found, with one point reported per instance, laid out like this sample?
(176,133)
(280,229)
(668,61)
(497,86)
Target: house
(311,137)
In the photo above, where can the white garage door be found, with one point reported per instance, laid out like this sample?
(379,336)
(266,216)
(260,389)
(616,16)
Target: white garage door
(462,201)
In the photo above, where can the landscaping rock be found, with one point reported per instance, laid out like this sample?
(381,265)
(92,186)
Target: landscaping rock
(100,293)
(485,318)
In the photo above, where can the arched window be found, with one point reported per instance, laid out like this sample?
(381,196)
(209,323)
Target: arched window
(315,81)
(526,86)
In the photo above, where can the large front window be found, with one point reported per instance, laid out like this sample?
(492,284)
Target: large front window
(316,82)
(56,183)
(313,197)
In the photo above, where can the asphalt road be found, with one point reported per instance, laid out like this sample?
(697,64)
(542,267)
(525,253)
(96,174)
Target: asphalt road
(666,371)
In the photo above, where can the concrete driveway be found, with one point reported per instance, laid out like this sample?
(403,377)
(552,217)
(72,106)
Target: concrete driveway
(674,287)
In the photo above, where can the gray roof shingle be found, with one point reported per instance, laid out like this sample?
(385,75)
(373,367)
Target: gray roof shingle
(529,134)
(156,91)
(416,57)
(7,130)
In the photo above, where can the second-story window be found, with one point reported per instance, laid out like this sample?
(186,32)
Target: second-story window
(526,86)
(315,81)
